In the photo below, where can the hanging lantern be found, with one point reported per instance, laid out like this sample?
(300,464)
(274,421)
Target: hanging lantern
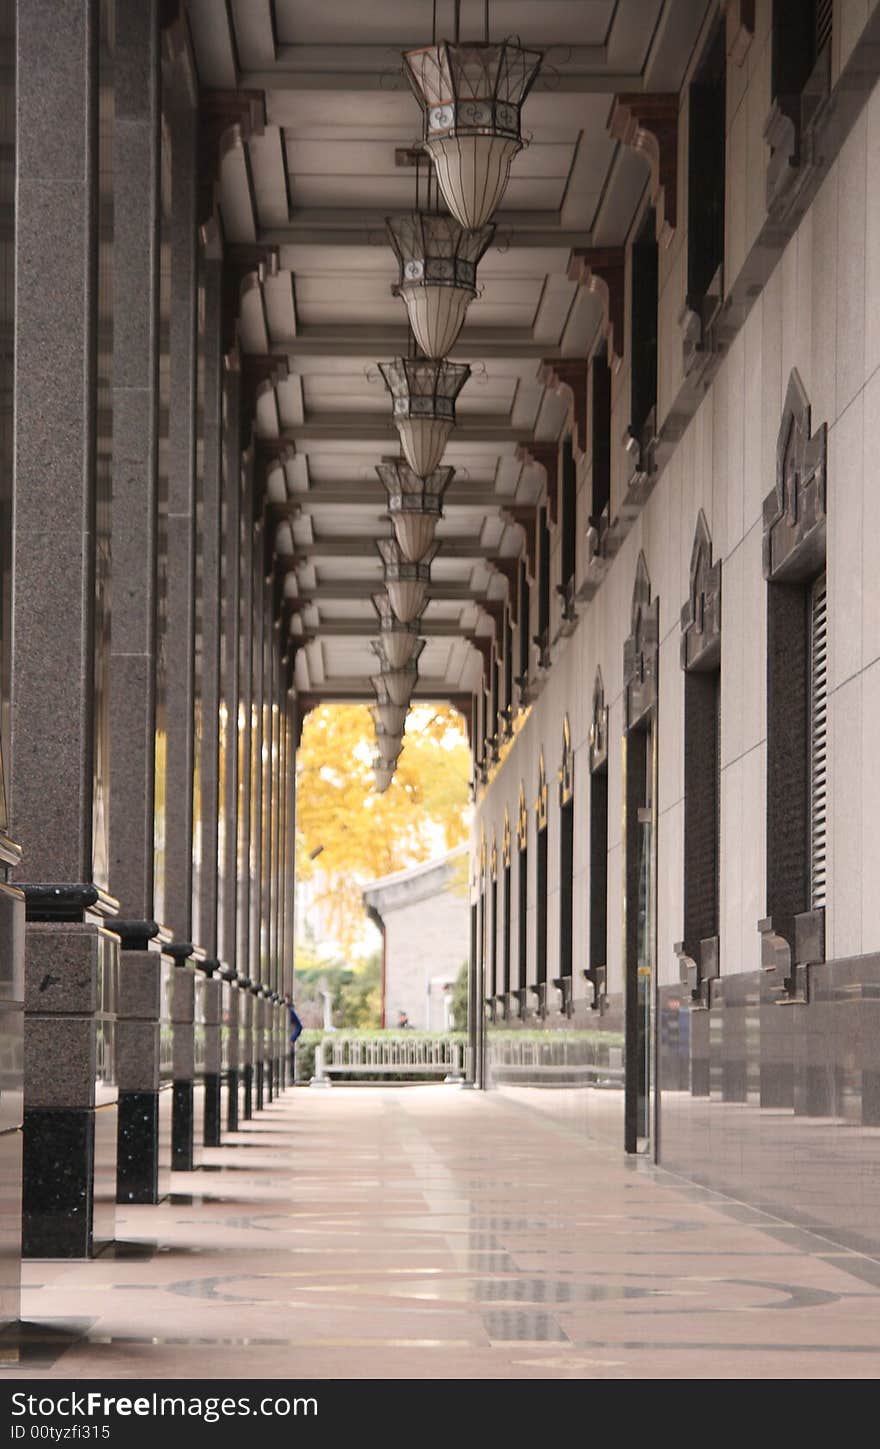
(399,683)
(424,393)
(438,274)
(471,97)
(414,504)
(406,583)
(387,716)
(389,746)
(399,641)
(389,665)
(383,775)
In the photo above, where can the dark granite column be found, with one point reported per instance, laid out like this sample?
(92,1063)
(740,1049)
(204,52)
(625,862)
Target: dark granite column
(144,1095)
(245,731)
(230,674)
(59,769)
(12,927)
(180,752)
(247,1012)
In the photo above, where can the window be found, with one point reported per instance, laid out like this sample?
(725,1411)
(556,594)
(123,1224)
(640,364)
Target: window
(505,928)
(818,726)
(801,33)
(541,888)
(566,863)
(522,896)
(598,884)
(601,419)
(568,514)
(543,636)
(643,348)
(706,150)
(508,670)
(492,983)
(525,605)
(701,660)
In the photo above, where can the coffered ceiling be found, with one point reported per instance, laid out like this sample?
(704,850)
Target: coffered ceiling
(306,178)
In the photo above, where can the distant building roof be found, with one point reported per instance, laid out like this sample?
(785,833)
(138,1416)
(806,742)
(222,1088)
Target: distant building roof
(417,882)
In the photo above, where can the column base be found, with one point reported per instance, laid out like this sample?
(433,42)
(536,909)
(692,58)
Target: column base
(232,1104)
(213,1109)
(187,1125)
(69,1187)
(144,1146)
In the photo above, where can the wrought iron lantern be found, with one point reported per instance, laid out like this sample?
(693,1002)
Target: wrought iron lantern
(414,504)
(424,393)
(390,666)
(406,583)
(438,274)
(383,775)
(387,716)
(399,641)
(471,96)
(389,746)
(399,683)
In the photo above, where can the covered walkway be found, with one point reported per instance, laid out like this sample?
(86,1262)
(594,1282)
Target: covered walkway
(427,1232)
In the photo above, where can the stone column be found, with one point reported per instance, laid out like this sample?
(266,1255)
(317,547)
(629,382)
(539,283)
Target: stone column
(142,1170)
(180,609)
(229,734)
(58,773)
(209,743)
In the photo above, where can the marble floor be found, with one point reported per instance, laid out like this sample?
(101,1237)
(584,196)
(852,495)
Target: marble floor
(374,1232)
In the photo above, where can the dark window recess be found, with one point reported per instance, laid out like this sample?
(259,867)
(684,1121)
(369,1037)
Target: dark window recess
(706,171)
(525,605)
(473,983)
(598,879)
(702,787)
(493,940)
(544,574)
(566,887)
(601,495)
(568,514)
(818,746)
(790,738)
(522,906)
(508,668)
(493,708)
(801,30)
(505,933)
(643,350)
(541,911)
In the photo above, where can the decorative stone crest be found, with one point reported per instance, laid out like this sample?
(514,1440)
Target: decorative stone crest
(566,767)
(794,512)
(648,123)
(601,270)
(505,841)
(546,456)
(599,726)
(541,797)
(525,517)
(701,615)
(640,652)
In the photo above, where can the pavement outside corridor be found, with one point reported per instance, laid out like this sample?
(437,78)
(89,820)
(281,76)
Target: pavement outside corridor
(425,1232)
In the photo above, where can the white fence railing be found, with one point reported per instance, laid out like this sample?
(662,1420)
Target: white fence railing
(335,1057)
(519,1060)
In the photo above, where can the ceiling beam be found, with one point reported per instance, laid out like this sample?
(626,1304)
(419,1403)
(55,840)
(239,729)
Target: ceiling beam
(326,548)
(371,428)
(372,342)
(367,494)
(338,227)
(344,589)
(376,69)
(369,629)
(348,687)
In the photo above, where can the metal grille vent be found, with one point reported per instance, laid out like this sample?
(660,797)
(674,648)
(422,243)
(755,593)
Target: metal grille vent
(824,13)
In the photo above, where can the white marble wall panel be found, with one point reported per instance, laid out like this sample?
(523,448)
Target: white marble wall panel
(869,796)
(845,716)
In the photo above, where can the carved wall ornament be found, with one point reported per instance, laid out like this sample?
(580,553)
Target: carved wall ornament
(509,569)
(522,820)
(701,615)
(602,271)
(599,726)
(794,512)
(493,858)
(546,456)
(567,377)
(541,797)
(505,840)
(740,29)
(640,652)
(566,767)
(648,123)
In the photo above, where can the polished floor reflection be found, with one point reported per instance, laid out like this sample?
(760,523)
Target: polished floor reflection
(427,1232)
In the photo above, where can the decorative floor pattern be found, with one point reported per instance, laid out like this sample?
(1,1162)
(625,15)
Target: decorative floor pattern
(373,1232)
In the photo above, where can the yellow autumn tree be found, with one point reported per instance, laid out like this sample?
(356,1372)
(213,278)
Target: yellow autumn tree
(347,833)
